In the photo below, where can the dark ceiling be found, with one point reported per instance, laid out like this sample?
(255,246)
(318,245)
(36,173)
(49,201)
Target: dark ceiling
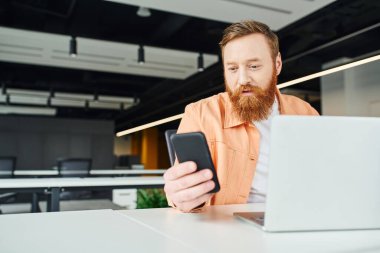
(345,28)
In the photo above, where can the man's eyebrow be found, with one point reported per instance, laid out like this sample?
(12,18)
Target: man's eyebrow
(254,59)
(249,60)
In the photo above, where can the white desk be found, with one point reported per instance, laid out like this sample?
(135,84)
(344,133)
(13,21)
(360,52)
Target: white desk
(97,231)
(120,172)
(217,230)
(55,185)
(127,172)
(167,230)
(35,173)
(5,173)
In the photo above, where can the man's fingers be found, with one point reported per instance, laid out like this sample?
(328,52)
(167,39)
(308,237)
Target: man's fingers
(180,170)
(188,181)
(193,179)
(187,188)
(193,193)
(188,206)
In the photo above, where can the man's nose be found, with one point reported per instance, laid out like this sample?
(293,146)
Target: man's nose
(244,78)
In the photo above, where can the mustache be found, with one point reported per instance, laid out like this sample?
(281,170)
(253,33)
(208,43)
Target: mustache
(248,88)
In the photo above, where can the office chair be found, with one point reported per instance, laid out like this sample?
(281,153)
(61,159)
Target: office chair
(7,167)
(169,143)
(74,167)
(128,160)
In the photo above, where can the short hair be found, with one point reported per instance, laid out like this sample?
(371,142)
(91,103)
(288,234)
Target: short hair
(247,27)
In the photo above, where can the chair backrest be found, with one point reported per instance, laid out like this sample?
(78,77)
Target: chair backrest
(128,160)
(7,166)
(74,167)
(169,143)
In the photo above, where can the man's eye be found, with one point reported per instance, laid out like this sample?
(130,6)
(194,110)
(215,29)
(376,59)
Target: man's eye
(254,66)
(232,69)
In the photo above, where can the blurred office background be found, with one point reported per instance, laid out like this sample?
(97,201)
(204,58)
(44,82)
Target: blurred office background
(73,73)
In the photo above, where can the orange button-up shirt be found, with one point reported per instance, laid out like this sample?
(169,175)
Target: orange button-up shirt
(233,144)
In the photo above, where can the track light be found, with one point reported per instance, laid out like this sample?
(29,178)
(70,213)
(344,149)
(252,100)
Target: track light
(143,12)
(63,99)
(73,47)
(3,89)
(51,94)
(141,55)
(200,63)
(136,100)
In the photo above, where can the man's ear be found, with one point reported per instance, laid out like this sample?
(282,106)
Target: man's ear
(278,63)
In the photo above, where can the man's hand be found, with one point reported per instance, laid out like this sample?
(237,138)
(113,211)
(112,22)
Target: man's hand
(186,187)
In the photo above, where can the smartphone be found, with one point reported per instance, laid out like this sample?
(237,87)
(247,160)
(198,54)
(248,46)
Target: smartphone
(193,147)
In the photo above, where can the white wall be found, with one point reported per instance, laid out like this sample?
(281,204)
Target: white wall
(38,142)
(352,92)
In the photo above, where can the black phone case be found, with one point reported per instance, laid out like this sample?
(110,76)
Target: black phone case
(193,147)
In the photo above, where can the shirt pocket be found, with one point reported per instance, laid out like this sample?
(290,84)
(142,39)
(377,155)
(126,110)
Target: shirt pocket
(235,171)
(223,157)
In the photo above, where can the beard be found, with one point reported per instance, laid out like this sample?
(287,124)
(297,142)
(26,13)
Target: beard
(255,107)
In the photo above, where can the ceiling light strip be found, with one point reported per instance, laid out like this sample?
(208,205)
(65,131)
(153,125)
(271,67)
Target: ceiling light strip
(331,43)
(28,92)
(116,99)
(67,103)
(10,109)
(34,98)
(152,124)
(280,86)
(329,71)
(28,100)
(109,105)
(74,96)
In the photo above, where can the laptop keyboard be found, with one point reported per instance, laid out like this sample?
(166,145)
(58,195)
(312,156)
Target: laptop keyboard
(260,220)
(255,217)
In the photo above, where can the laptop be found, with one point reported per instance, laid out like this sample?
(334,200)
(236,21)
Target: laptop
(324,174)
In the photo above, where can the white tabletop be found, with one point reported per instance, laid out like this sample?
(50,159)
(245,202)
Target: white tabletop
(127,172)
(92,172)
(217,230)
(5,173)
(78,182)
(36,173)
(84,231)
(167,230)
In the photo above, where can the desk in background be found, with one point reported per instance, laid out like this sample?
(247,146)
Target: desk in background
(35,173)
(124,172)
(53,186)
(117,172)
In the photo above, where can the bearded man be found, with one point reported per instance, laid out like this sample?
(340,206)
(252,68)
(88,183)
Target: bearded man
(236,123)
